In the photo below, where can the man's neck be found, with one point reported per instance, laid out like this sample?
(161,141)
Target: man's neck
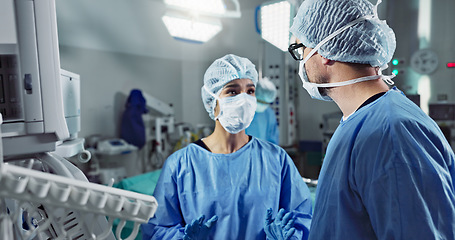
(350,97)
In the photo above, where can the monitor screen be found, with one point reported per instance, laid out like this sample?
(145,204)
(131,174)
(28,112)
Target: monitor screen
(415,98)
(442,111)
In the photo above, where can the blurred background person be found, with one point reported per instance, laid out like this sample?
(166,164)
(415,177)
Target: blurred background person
(264,124)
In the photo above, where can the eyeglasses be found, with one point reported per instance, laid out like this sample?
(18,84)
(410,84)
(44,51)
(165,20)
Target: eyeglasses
(296,52)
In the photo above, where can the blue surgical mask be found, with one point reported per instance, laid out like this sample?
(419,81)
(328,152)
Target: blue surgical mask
(312,88)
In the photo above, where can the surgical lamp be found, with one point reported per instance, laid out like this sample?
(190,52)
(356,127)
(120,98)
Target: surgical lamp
(196,30)
(276,19)
(203,6)
(189,24)
(213,8)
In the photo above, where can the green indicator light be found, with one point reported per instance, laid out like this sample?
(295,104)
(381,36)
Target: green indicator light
(395,62)
(395,71)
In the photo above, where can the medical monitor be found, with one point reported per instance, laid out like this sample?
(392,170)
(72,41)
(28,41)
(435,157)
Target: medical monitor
(442,111)
(415,98)
(30,87)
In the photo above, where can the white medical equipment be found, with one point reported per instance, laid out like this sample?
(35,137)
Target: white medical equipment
(71,90)
(159,123)
(157,130)
(116,159)
(162,115)
(42,195)
(183,135)
(330,122)
(444,114)
(283,73)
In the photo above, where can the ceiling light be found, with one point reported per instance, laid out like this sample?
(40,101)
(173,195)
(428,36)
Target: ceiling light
(208,6)
(193,30)
(275,23)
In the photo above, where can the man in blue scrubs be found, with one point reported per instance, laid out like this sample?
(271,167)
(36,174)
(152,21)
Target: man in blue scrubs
(388,172)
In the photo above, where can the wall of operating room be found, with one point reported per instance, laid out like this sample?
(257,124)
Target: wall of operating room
(116,46)
(119,58)
(422,25)
(167,69)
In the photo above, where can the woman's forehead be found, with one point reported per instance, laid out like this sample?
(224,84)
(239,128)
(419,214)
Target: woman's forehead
(239,82)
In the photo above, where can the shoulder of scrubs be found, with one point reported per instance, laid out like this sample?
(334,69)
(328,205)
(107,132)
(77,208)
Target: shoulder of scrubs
(401,167)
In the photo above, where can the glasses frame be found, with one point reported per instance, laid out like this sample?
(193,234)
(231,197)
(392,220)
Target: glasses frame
(293,48)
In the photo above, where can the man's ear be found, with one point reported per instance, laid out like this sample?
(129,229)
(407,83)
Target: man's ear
(326,61)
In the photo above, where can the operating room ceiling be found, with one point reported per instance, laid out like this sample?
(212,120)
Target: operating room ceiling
(135,27)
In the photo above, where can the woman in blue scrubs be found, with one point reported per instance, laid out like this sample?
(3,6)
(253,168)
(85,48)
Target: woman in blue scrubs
(230,185)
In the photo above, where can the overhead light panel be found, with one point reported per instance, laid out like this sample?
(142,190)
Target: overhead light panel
(207,6)
(275,23)
(187,22)
(213,8)
(193,30)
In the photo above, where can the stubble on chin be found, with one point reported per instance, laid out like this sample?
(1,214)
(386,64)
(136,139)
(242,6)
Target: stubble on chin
(324,91)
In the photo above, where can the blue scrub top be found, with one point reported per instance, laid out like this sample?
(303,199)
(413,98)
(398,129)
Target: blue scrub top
(388,174)
(264,126)
(237,187)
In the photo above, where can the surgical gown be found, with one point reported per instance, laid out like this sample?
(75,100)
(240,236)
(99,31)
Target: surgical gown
(237,187)
(264,126)
(388,174)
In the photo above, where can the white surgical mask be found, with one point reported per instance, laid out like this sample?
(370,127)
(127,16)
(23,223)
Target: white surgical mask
(237,112)
(312,88)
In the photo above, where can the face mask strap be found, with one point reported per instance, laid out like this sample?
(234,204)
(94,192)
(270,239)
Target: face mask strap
(386,78)
(209,92)
(376,7)
(213,95)
(340,84)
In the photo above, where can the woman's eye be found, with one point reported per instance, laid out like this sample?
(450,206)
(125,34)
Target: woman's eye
(251,91)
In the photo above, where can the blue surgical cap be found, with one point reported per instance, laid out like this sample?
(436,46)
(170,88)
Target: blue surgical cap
(368,42)
(221,72)
(265,91)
